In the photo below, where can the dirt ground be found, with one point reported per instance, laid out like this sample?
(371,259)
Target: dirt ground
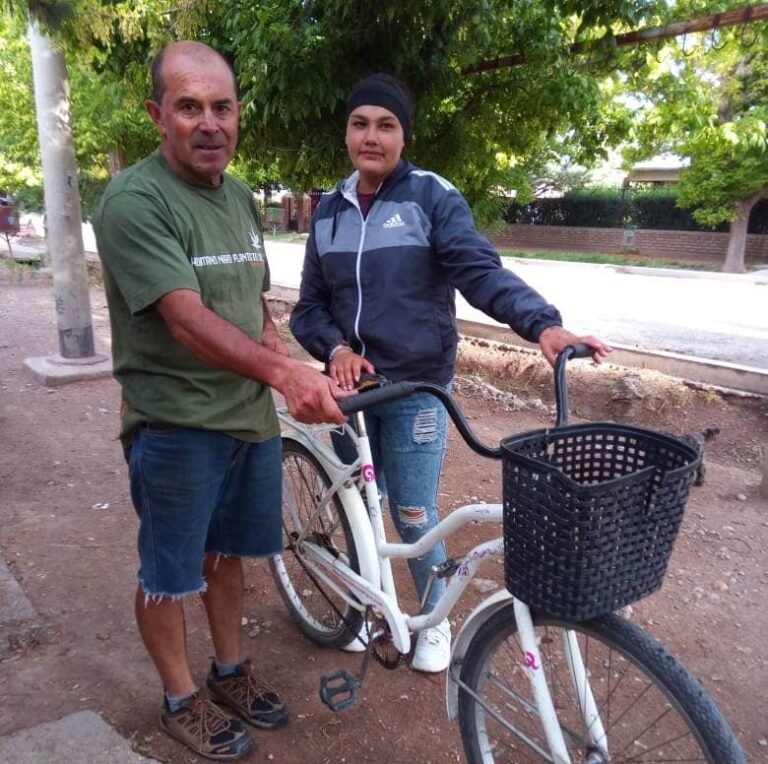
(67,533)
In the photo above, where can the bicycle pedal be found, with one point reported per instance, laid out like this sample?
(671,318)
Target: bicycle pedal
(339,690)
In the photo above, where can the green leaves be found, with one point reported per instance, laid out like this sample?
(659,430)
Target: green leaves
(107,112)
(298,60)
(709,104)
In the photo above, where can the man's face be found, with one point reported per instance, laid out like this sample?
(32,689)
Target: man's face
(374,141)
(197,118)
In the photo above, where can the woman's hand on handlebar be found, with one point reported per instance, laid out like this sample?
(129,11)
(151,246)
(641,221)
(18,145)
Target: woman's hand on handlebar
(554,338)
(346,367)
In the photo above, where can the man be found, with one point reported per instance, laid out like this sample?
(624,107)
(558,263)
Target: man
(196,353)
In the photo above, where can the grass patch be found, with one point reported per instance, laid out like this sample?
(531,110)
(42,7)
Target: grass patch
(597,258)
(22,270)
(33,263)
(290,237)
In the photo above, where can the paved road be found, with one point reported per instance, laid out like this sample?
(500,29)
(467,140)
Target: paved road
(720,317)
(708,327)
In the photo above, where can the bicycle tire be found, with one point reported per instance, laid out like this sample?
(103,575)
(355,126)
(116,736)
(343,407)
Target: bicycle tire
(322,614)
(652,708)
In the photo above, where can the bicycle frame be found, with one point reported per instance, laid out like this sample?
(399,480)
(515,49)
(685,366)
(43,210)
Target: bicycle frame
(375,587)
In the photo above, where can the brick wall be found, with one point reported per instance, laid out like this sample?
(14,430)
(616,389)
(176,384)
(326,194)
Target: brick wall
(676,245)
(298,210)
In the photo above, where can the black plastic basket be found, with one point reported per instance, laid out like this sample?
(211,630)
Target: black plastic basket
(591,513)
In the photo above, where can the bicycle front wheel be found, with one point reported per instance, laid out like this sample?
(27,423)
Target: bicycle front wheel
(651,708)
(321,613)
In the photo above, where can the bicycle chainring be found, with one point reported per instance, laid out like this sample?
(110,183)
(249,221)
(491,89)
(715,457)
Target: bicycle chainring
(382,647)
(384,650)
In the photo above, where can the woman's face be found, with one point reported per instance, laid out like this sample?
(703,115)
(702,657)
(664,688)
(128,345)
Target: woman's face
(375,142)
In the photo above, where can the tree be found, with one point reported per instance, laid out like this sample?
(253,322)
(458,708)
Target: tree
(298,59)
(51,24)
(109,82)
(62,198)
(19,154)
(705,98)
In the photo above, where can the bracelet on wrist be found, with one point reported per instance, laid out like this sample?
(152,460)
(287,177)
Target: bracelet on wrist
(341,346)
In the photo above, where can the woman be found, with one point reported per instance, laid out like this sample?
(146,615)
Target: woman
(385,253)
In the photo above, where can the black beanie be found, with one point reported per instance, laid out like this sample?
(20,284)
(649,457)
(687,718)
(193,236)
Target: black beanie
(387,92)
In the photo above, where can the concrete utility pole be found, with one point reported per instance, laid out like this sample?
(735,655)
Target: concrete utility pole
(64,237)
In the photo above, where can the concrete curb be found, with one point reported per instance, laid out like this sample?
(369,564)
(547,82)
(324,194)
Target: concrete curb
(80,737)
(731,377)
(20,625)
(55,370)
(751,277)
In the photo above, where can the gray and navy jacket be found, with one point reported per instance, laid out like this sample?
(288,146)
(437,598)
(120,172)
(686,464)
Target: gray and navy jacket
(386,284)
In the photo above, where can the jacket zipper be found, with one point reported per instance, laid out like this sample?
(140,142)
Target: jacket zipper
(359,283)
(352,198)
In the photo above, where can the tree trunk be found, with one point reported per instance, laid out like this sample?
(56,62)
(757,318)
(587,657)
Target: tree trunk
(737,239)
(115,162)
(64,234)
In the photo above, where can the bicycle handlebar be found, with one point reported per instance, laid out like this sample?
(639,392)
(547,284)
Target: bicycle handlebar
(383,394)
(578,350)
(399,390)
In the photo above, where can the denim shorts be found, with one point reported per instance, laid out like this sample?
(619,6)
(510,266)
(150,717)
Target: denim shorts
(199,492)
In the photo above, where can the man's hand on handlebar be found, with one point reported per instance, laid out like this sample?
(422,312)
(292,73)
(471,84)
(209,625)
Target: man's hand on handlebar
(312,397)
(554,338)
(346,368)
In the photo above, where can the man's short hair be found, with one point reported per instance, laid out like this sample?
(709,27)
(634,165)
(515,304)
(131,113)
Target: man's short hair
(156,69)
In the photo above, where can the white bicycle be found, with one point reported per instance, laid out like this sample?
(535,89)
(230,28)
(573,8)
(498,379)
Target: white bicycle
(525,686)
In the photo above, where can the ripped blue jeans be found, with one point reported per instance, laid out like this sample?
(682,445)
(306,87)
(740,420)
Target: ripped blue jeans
(408,441)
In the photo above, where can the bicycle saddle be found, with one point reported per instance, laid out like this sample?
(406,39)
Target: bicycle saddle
(370,382)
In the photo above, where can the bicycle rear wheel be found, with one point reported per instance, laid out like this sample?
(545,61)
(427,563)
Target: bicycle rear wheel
(652,709)
(322,614)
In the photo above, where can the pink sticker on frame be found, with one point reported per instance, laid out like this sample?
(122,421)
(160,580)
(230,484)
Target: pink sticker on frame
(530,661)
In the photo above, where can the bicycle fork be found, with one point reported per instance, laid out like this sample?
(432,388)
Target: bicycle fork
(593,741)
(535,672)
(540,689)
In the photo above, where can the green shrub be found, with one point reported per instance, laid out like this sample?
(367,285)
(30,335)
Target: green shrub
(654,208)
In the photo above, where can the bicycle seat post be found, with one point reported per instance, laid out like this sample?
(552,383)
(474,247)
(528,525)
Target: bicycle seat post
(359,420)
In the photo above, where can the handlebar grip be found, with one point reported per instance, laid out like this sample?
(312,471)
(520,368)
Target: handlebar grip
(577,350)
(383,394)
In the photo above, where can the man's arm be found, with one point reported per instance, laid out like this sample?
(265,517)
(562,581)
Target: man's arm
(308,394)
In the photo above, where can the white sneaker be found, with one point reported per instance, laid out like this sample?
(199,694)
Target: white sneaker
(358,644)
(433,649)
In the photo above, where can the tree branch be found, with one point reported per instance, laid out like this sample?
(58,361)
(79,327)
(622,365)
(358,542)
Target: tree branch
(744,15)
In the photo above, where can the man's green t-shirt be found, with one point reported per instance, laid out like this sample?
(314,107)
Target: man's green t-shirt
(156,233)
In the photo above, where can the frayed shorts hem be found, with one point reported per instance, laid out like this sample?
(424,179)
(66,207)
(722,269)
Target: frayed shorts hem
(156,597)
